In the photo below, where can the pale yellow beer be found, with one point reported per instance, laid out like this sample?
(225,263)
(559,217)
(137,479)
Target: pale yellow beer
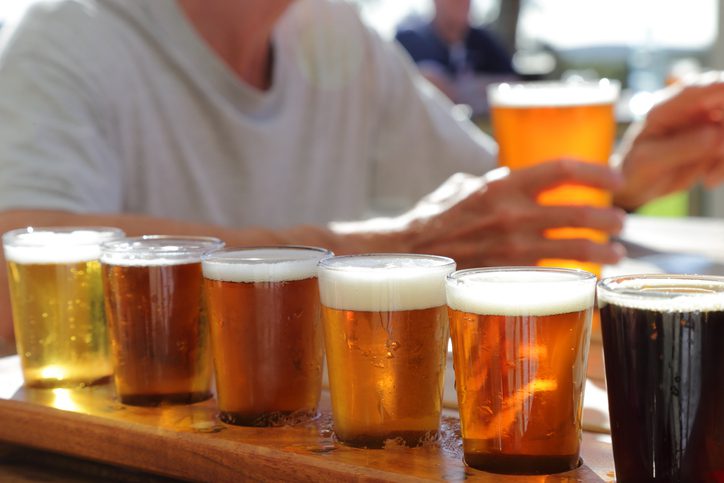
(386,334)
(57,303)
(266,333)
(536,122)
(157,322)
(520,346)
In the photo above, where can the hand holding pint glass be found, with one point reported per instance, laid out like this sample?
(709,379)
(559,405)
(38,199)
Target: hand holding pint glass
(266,334)
(520,346)
(386,334)
(57,303)
(662,342)
(158,328)
(536,122)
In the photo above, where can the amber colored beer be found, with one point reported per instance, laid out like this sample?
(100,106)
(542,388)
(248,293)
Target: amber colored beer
(266,334)
(520,346)
(386,334)
(662,340)
(536,122)
(158,328)
(57,302)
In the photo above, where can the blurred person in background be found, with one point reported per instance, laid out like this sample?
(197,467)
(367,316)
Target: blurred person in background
(458,58)
(274,121)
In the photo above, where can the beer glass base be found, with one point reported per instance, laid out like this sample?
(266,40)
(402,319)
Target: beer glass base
(273,419)
(67,383)
(522,464)
(158,399)
(406,438)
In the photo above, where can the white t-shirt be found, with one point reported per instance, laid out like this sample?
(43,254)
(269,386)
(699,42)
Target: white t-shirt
(120,106)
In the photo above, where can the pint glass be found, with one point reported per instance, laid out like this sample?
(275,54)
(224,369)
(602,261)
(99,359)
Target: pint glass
(158,328)
(386,333)
(535,122)
(520,346)
(266,334)
(662,341)
(57,303)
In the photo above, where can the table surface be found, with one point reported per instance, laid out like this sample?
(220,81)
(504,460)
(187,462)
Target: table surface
(86,435)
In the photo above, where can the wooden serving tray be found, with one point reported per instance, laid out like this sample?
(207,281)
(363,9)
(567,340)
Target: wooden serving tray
(189,442)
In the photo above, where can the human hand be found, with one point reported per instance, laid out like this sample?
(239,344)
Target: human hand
(680,143)
(495,220)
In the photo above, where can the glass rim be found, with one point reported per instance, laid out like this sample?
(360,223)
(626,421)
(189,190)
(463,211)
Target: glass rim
(22,237)
(225,254)
(334,263)
(582,275)
(607,285)
(603,90)
(160,247)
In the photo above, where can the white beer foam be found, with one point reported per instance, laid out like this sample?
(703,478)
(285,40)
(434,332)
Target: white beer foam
(385,284)
(45,247)
(541,94)
(141,261)
(520,293)
(263,265)
(658,294)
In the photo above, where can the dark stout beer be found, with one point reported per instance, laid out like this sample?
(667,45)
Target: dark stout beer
(664,358)
(266,332)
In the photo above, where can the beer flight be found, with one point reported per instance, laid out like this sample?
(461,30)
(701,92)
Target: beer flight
(153,312)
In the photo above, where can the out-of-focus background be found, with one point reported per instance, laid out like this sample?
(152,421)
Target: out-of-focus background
(645,44)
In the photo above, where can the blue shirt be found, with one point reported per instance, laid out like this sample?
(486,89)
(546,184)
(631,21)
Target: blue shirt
(482,53)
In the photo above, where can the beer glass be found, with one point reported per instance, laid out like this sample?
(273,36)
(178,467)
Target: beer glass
(386,332)
(520,346)
(662,342)
(57,303)
(158,328)
(266,334)
(535,122)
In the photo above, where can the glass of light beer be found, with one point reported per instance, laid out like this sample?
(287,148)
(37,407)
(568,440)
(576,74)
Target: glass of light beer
(157,322)
(57,304)
(662,341)
(536,122)
(520,347)
(266,334)
(386,332)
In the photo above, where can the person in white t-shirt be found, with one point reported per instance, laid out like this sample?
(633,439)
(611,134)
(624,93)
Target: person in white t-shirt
(266,122)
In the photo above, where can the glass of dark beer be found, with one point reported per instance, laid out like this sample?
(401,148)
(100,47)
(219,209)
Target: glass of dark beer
(386,333)
(520,340)
(662,342)
(266,334)
(157,322)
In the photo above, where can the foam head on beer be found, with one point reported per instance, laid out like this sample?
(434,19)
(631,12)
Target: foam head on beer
(384,282)
(520,292)
(263,264)
(664,293)
(541,94)
(56,245)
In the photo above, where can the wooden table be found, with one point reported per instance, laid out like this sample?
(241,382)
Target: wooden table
(188,442)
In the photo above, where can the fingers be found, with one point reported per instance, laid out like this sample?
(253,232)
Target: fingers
(693,104)
(608,220)
(683,147)
(548,175)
